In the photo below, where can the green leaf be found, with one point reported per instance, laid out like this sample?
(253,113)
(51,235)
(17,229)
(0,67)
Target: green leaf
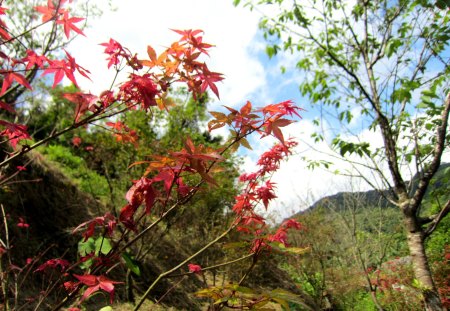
(102,245)
(271,50)
(107,308)
(244,142)
(131,264)
(86,247)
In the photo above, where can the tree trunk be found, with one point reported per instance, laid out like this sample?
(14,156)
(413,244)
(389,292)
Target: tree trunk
(421,268)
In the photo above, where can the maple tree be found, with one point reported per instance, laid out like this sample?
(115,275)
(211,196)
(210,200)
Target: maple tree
(169,180)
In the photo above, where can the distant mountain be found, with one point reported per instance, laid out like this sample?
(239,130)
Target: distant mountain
(343,200)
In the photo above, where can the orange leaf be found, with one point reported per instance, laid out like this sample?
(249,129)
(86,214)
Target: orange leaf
(151,53)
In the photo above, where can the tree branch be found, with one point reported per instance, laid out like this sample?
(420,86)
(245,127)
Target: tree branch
(437,219)
(436,162)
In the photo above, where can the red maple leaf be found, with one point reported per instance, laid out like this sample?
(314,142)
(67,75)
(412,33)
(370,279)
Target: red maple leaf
(14,132)
(49,12)
(68,24)
(7,107)
(9,77)
(188,33)
(194,268)
(61,68)
(292,223)
(95,283)
(84,102)
(72,66)
(266,193)
(3,28)
(32,59)
(209,79)
(56,67)
(282,109)
(76,141)
(142,191)
(114,49)
(107,221)
(54,263)
(139,89)
(273,126)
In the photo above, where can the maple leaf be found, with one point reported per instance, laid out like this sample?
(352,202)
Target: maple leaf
(9,77)
(273,126)
(4,31)
(32,59)
(281,109)
(114,49)
(168,177)
(49,12)
(280,236)
(56,67)
(187,34)
(126,216)
(14,132)
(194,268)
(107,221)
(68,24)
(209,79)
(54,263)
(76,141)
(118,126)
(142,191)
(292,223)
(61,68)
(7,107)
(22,223)
(139,89)
(72,66)
(266,193)
(3,28)
(84,102)
(95,283)
(154,60)
(197,42)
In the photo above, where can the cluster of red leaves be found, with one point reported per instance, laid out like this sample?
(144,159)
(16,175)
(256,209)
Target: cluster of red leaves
(267,121)
(190,160)
(123,133)
(259,191)
(180,63)
(60,15)
(13,71)
(93,284)
(14,132)
(107,222)
(53,264)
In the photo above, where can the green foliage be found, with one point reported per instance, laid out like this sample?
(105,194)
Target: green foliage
(76,168)
(369,57)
